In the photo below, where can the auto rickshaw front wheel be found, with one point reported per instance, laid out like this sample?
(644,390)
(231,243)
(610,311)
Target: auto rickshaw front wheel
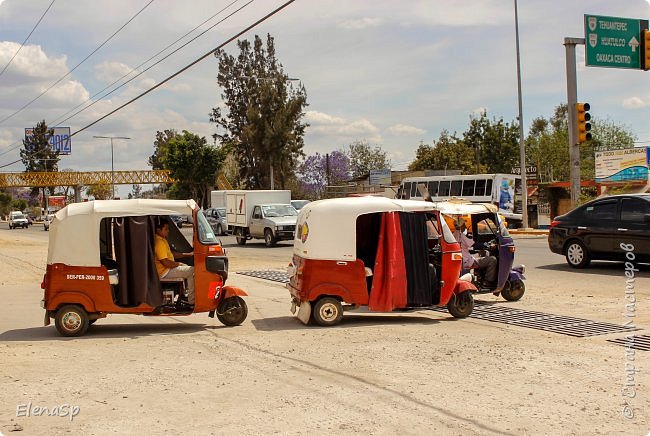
(71,320)
(327,312)
(461,305)
(232,311)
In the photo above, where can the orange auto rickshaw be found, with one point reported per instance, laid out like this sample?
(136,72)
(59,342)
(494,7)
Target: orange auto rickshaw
(388,255)
(101,260)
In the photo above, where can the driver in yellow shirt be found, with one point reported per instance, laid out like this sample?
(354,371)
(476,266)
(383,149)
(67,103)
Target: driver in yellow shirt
(166,265)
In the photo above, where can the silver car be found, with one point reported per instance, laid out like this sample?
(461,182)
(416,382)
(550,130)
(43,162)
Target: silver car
(217,218)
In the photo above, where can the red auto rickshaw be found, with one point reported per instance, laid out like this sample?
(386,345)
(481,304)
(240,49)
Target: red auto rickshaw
(100,260)
(389,255)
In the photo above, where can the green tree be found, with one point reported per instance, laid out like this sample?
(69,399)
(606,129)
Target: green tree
(160,148)
(5,203)
(447,153)
(18,204)
(495,144)
(37,154)
(194,162)
(263,116)
(100,191)
(547,145)
(363,158)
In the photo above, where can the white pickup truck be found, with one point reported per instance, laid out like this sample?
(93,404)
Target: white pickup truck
(261,214)
(17,219)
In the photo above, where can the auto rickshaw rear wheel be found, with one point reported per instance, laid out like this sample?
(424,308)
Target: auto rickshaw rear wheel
(461,306)
(327,311)
(515,291)
(71,320)
(232,311)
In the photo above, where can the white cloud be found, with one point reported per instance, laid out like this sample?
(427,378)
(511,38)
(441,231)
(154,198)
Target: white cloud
(403,129)
(361,23)
(320,118)
(634,102)
(109,72)
(31,62)
(69,92)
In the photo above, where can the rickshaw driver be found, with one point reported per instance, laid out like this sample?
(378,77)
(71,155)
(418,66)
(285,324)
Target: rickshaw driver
(166,265)
(486,264)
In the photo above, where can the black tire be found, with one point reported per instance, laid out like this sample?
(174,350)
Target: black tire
(462,305)
(515,291)
(71,320)
(327,312)
(232,311)
(576,254)
(241,239)
(269,239)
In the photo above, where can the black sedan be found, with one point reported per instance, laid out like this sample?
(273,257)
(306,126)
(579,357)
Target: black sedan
(608,228)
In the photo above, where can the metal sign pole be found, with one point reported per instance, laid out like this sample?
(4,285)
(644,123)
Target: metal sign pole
(572,99)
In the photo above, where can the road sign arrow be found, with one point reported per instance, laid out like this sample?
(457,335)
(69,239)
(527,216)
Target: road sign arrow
(634,43)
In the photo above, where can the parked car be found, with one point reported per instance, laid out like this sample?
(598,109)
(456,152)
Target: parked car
(607,228)
(47,221)
(299,204)
(178,220)
(17,219)
(217,218)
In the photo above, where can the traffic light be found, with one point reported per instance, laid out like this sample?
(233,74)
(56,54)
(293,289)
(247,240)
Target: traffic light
(583,118)
(645,60)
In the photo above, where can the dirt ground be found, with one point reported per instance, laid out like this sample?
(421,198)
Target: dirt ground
(416,373)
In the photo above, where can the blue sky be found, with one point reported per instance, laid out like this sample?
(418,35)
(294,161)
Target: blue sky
(392,73)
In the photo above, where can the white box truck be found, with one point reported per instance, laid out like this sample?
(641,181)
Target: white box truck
(261,214)
(217,199)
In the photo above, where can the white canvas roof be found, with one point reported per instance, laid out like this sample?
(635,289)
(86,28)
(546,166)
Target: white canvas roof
(74,233)
(332,224)
(464,207)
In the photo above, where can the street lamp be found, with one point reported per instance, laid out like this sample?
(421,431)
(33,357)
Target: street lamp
(112,169)
(522,148)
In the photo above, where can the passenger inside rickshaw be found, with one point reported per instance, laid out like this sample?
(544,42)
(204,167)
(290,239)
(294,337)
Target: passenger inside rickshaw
(126,250)
(413,242)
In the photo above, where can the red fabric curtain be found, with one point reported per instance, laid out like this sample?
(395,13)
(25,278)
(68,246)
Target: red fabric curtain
(389,282)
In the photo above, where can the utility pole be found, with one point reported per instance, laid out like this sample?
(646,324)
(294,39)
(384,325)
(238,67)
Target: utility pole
(327,168)
(112,169)
(572,99)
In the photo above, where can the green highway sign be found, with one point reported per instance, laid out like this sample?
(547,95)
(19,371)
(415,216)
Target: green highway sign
(613,41)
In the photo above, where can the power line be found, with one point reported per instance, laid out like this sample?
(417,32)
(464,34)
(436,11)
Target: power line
(154,64)
(61,119)
(261,20)
(76,66)
(30,34)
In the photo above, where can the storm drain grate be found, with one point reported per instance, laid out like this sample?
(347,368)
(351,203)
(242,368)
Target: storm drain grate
(639,342)
(565,325)
(275,276)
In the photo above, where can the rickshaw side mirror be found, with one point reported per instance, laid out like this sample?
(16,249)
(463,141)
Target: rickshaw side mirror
(218,265)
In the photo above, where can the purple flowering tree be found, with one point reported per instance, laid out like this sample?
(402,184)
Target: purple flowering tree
(317,171)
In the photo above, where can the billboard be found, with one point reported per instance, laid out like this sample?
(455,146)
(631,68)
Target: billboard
(55,202)
(626,165)
(380,177)
(60,141)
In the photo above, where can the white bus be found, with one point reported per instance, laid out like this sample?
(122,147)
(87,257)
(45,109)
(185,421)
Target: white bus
(503,190)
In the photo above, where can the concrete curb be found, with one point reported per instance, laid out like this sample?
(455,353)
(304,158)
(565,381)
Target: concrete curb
(536,232)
